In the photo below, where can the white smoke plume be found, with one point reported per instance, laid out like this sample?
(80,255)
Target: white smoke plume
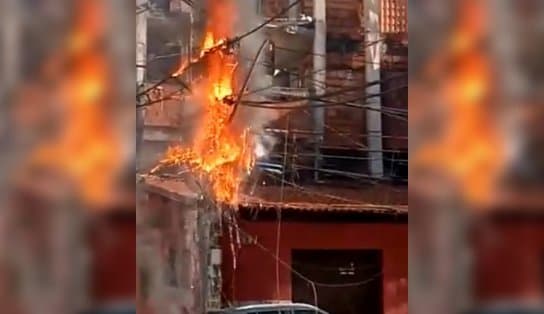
(247,18)
(256,118)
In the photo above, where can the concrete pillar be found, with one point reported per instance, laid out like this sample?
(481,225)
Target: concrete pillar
(372,9)
(141,61)
(320,75)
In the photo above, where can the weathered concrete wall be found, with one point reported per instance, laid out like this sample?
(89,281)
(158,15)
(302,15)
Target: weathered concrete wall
(170,272)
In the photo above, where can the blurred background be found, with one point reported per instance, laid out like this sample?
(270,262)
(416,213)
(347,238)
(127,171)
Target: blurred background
(67,140)
(476,233)
(67,225)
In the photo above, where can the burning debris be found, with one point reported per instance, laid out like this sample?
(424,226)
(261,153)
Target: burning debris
(219,153)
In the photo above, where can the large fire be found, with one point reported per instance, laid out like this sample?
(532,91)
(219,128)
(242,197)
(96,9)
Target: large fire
(469,149)
(86,149)
(219,153)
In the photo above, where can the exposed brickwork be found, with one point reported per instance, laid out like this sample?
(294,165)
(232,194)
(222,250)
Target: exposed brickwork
(345,23)
(343,124)
(395,130)
(343,18)
(169,272)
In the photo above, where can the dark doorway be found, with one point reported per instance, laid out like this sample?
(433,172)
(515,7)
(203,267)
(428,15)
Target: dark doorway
(346,281)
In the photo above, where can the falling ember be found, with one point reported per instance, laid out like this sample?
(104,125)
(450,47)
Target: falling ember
(86,150)
(470,149)
(219,153)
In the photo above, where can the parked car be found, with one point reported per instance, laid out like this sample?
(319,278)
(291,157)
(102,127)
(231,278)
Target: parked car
(274,308)
(509,308)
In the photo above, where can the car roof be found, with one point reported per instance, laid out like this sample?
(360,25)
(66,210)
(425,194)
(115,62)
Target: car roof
(293,306)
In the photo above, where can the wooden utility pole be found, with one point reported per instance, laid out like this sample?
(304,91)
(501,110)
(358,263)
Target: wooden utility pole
(319,76)
(372,9)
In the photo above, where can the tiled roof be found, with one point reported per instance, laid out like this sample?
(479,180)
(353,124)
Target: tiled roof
(394,16)
(375,199)
(344,16)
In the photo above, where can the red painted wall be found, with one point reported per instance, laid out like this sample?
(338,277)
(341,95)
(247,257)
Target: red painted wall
(113,244)
(255,274)
(509,261)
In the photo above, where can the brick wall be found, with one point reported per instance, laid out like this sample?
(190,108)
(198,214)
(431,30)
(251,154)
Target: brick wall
(168,259)
(345,64)
(346,67)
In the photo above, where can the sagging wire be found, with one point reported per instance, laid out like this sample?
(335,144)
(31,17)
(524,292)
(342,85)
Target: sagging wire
(231,221)
(330,94)
(307,76)
(232,239)
(246,81)
(308,52)
(396,113)
(278,229)
(221,46)
(352,175)
(169,96)
(329,105)
(330,196)
(297,273)
(361,158)
(270,168)
(337,132)
(269,20)
(276,257)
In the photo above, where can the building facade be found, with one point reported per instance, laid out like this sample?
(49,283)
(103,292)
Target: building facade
(343,261)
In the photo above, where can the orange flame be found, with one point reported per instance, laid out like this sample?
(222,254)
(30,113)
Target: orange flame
(86,150)
(220,153)
(470,148)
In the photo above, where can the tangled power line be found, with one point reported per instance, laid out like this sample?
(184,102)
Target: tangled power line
(269,104)
(340,95)
(333,98)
